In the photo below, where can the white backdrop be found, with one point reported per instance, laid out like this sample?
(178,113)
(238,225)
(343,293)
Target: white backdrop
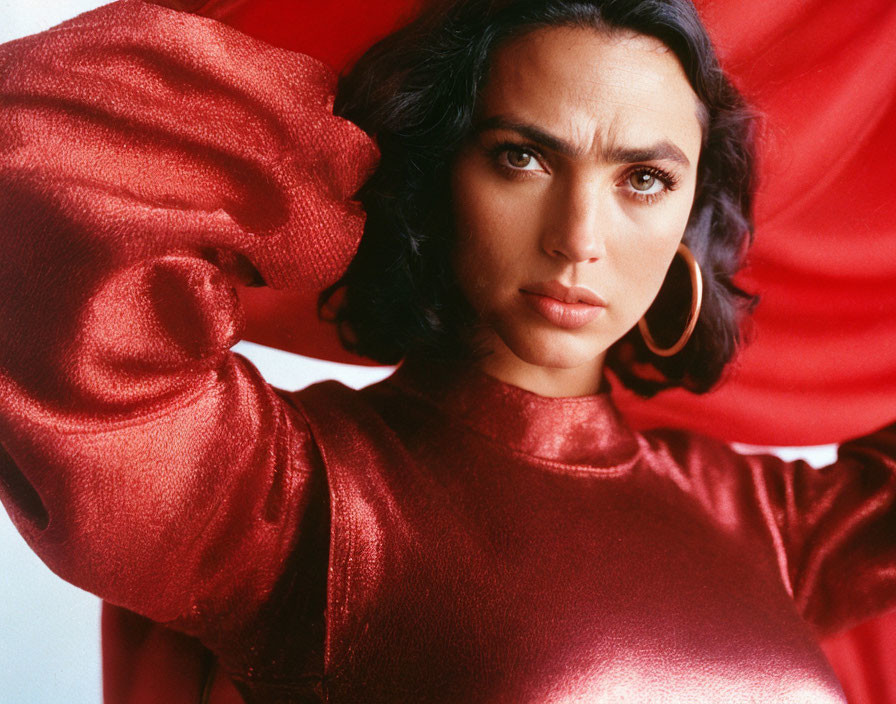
(49,630)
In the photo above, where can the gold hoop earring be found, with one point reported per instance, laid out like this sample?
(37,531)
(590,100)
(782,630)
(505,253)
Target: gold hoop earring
(693,314)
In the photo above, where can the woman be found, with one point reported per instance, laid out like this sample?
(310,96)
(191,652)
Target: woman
(482,526)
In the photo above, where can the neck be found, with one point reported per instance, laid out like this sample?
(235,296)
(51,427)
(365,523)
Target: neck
(552,379)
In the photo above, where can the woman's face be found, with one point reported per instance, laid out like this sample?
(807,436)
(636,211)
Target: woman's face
(580,171)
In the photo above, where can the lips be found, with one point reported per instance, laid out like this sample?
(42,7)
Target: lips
(568,307)
(565,294)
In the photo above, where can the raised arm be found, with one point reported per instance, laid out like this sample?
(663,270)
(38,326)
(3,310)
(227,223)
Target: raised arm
(838,527)
(833,529)
(148,159)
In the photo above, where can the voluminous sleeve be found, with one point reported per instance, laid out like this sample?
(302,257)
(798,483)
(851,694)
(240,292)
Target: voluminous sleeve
(150,159)
(832,529)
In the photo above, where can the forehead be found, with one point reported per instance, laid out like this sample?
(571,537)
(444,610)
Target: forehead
(594,87)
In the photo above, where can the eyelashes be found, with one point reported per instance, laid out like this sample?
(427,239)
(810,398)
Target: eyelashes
(498,153)
(513,160)
(515,151)
(643,175)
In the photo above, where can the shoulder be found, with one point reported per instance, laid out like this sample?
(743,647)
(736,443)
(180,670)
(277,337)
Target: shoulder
(378,409)
(686,447)
(699,464)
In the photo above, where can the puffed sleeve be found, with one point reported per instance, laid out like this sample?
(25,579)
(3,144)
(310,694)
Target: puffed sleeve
(149,159)
(832,530)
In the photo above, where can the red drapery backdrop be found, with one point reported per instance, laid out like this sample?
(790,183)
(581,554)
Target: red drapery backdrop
(821,366)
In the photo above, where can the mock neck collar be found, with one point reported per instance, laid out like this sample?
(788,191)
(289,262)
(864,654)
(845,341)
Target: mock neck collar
(578,430)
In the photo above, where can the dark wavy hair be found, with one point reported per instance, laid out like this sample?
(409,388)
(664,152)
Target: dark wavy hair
(416,91)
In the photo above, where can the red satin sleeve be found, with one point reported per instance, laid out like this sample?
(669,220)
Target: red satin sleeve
(148,160)
(834,528)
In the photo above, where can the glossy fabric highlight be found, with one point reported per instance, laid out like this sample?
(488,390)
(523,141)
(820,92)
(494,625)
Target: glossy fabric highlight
(666,574)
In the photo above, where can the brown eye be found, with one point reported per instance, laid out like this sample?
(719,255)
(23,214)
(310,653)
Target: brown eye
(642,181)
(518,159)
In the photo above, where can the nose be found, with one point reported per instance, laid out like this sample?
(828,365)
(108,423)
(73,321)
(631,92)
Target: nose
(576,229)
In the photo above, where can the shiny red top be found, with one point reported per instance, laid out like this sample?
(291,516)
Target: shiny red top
(488,544)
(438,537)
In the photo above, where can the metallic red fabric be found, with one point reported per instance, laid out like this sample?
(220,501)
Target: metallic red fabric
(148,160)
(549,553)
(438,537)
(822,74)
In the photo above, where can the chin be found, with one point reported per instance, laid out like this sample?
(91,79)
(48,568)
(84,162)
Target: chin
(557,349)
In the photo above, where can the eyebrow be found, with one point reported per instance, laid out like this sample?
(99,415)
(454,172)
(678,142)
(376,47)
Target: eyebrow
(662,150)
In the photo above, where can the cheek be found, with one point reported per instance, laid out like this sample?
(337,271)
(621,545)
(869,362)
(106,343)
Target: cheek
(645,258)
(491,236)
